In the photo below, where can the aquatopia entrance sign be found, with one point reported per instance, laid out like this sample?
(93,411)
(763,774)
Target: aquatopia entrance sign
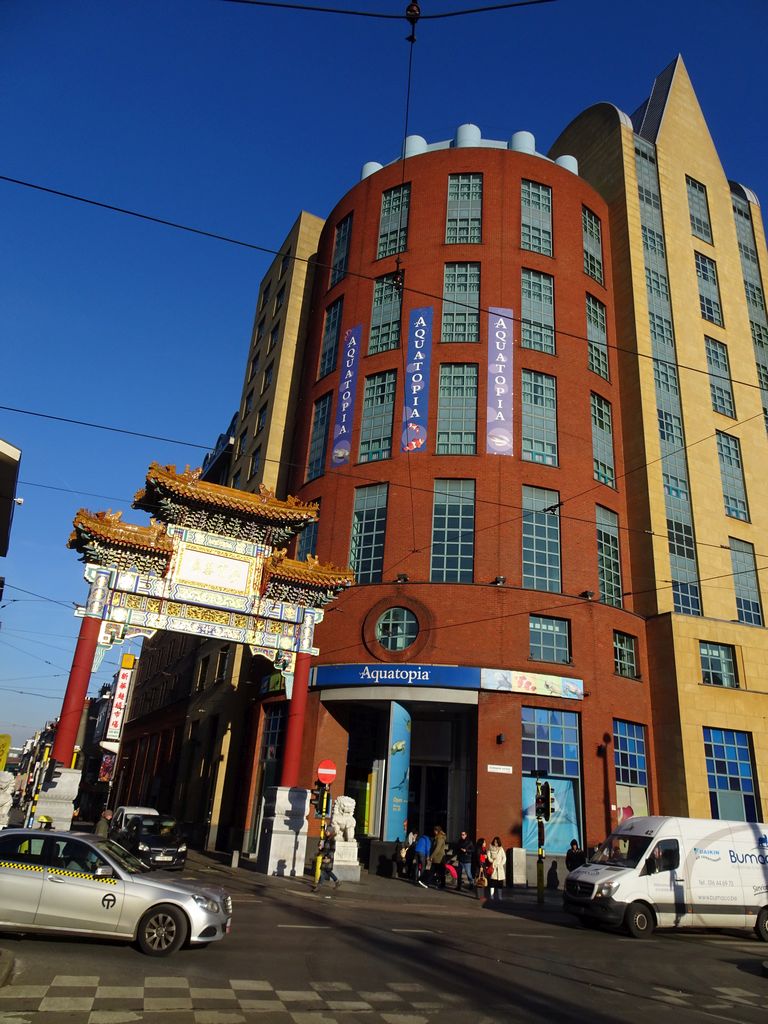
(211,563)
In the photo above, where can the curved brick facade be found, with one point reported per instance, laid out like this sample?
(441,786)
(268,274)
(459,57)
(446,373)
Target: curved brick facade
(474,624)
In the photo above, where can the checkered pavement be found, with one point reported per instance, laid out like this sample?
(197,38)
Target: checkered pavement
(82,999)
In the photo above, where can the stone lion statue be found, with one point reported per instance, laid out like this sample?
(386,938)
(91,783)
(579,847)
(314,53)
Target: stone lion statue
(343,818)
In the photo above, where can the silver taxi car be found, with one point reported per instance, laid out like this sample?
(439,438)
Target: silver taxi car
(78,884)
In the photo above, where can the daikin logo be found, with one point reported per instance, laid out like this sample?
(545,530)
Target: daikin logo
(705,854)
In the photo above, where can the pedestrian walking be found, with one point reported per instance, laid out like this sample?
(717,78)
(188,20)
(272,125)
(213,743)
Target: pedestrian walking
(465,852)
(482,865)
(553,882)
(497,859)
(575,856)
(421,850)
(327,850)
(437,856)
(102,825)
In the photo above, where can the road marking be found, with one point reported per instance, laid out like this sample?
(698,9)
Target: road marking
(414,931)
(532,935)
(307,927)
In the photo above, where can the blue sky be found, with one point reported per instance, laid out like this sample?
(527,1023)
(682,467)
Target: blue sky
(233,118)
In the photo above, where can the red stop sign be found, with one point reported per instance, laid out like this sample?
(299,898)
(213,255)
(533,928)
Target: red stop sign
(326,771)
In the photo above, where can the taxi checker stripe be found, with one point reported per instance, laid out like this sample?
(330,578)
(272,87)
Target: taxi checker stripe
(82,874)
(20,867)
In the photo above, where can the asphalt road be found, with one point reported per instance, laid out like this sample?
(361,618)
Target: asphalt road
(388,953)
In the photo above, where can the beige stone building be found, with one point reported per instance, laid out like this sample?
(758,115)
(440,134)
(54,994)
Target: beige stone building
(689,264)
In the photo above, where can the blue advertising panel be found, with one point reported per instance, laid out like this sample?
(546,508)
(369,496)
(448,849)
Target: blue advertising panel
(345,402)
(562,827)
(416,394)
(498,437)
(398,765)
(450,676)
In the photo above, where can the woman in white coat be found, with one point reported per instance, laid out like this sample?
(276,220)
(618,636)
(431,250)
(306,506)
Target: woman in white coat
(497,859)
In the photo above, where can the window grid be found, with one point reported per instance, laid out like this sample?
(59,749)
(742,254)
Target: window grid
(719,368)
(718,665)
(665,377)
(393,224)
(397,629)
(378,410)
(385,314)
(593,244)
(369,521)
(629,754)
(453,531)
(541,539)
(318,444)
(539,416)
(464,220)
(748,607)
(255,464)
(709,293)
(537,314)
(730,771)
(625,655)
(597,337)
(461,302)
(732,476)
(341,250)
(608,557)
(330,345)
(536,217)
(602,440)
(307,541)
(698,209)
(457,409)
(549,639)
(550,742)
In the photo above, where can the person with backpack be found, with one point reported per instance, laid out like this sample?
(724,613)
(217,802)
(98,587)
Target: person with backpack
(421,850)
(327,850)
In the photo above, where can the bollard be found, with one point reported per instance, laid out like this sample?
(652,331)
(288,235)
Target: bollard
(235,859)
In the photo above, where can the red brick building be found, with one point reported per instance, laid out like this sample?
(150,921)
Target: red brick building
(491,637)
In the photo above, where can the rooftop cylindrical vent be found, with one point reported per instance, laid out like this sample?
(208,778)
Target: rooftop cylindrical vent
(570,163)
(370,168)
(414,145)
(468,135)
(523,142)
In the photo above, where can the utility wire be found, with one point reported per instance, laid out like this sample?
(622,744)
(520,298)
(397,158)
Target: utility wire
(381,15)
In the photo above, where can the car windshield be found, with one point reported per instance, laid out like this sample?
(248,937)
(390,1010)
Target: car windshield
(165,827)
(621,850)
(126,860)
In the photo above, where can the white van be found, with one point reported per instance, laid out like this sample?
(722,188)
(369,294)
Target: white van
(675,873)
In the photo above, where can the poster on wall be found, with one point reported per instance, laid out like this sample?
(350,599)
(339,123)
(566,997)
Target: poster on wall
(562,827)
(398,766)
(498,436)
(345,402)
(416,395)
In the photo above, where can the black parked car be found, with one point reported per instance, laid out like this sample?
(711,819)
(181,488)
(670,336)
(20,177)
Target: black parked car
(156,840)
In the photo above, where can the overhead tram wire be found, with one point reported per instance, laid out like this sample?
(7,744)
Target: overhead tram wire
(309,8)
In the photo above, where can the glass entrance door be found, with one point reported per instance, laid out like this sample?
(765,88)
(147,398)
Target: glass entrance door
(428,797)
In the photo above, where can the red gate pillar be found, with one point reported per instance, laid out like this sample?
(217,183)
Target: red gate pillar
(294,732)
(77,688)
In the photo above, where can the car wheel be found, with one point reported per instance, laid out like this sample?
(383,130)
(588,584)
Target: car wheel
(162,930)
(639,920)
(761,927)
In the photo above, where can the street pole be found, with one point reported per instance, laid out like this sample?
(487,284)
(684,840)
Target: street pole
(77,689)
(541,839)
(326,799)
(294,730)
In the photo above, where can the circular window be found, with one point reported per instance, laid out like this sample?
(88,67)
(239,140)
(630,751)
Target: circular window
(397,628)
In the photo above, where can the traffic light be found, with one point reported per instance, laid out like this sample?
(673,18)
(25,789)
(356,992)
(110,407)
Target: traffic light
(544,801)
(319,798)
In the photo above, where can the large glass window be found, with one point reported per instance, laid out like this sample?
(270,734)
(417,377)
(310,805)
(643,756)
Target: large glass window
(709,292)
(593,244)
(698,209)
(549,639)
(625,655)
(453,531)
(597,337)
(341,250)
(629,756)
(378,408)
(330,345)
(318,441)
(539,415)
(541,539)
(537,313)
(457,409)
(748,606)
(536,217)
(464,221)
(369,523)
(608,557)
(730,774)
(602,440)
(385,314)
(550,742)
(732,476)
(718,664)
(461,302)
(307,544)
(720,387)
(393,224)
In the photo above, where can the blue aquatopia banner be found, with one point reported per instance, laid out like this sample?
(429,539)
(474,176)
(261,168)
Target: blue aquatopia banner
(398,770)
(345,403)
(416,396)
(498,437)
